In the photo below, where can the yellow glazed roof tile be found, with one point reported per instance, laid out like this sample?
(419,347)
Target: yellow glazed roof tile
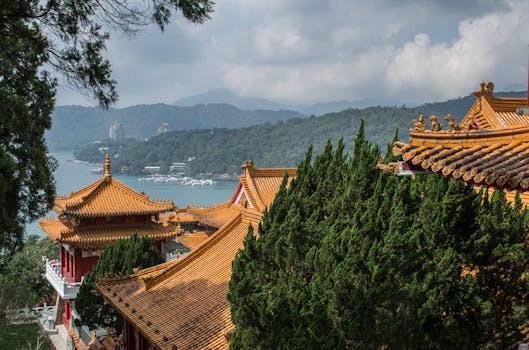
(99,236)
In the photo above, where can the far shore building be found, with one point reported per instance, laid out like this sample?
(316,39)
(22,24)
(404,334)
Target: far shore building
(91,219)
(116,132)
(182,304)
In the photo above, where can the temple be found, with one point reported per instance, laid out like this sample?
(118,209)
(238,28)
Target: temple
(182,304)
(91,219)
(488,148)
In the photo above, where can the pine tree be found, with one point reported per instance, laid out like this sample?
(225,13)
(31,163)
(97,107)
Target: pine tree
(115,260)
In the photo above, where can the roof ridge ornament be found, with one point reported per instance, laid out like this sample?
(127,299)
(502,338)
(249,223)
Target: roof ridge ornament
(248,164)
(107,166)
(485,89)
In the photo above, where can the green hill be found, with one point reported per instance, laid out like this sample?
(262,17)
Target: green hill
(73,126)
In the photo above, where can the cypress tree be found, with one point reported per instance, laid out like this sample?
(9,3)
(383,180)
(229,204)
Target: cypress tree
(115,260)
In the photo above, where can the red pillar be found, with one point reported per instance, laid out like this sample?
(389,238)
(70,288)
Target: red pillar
(63,260)
(77,264)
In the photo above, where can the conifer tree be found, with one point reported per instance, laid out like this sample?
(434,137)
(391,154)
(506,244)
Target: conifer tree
(115,260)
(348,257)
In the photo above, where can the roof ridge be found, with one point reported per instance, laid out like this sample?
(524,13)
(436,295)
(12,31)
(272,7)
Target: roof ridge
(142,196)
(251,191)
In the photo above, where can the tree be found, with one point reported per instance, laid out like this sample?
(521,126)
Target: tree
(348,257)
(116,260)
(68,37)
(23,271)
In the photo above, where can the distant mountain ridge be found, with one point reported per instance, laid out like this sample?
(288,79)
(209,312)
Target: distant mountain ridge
(229,97)
(253,103)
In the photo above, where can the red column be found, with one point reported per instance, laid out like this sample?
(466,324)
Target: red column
(63,260)
(77,264)
(66,314)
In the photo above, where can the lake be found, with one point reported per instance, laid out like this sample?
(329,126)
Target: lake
(72,176)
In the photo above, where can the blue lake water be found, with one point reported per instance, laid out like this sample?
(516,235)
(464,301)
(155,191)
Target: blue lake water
(72,176)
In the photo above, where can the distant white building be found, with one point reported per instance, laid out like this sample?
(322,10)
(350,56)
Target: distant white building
(116,132)
(164,127)
(178,168)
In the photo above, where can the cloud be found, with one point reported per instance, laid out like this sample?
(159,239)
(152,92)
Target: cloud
(487,48)
(305,51)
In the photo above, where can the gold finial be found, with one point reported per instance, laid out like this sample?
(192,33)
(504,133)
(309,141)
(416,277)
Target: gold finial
(107,165)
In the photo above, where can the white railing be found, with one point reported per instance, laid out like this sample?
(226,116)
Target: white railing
(26,315)
(173,256)
(67,290)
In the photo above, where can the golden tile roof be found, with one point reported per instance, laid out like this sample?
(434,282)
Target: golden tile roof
(496,155)
(215,216)
(494,113)
(192,240)
(261,184)
(99,236)
(184,302)
(109,197)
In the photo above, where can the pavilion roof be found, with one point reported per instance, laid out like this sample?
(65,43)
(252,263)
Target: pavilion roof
(495,154)
(100,236)
(192,240)
(184,302)
(215,216)
(261,184)
(493,113)
(109,197)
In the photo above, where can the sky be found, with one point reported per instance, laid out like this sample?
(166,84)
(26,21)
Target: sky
(309,51)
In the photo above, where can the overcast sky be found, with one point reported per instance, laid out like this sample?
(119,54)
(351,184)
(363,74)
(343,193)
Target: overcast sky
(307,51)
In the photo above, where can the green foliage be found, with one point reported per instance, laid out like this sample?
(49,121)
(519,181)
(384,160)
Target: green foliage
(24,271)
(351,258)
(67,36)
(22,336)
(26,103)
(116,260)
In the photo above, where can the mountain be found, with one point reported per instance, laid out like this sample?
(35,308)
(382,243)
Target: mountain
(253,103)
(73,126)
(229,97)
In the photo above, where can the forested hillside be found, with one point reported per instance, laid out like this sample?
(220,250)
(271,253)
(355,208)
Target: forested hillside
(273,145)
(74,126)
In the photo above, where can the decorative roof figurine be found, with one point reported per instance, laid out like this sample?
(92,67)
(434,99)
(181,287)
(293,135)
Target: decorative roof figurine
(452,124)
(418,125)
(436,126)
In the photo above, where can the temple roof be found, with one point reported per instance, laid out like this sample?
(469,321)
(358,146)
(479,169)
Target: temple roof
(493,152)
(109,197)
(192,240)
(99,236)
(215,216)
(493,113)
(261,185)
(183,303)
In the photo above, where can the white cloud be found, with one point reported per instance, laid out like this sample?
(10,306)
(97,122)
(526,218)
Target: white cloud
(487,48)
(311,51)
